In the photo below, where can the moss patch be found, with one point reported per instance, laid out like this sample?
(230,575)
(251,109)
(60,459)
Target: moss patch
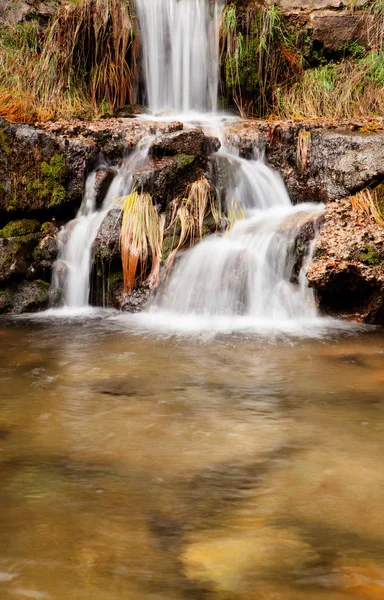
(20,228)
(44,284)
(184,160)
(115,278)
(49,185)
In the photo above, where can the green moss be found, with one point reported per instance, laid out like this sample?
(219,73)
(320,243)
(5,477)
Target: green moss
(115,278)
(46,227)
(169,244)
(184,160)
(370,256)
(49,185)
(42,283)
(20,228)
(4,145)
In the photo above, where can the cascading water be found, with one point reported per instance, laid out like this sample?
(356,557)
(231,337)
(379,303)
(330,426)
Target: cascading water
(180,53)
(71,271)
(248,271)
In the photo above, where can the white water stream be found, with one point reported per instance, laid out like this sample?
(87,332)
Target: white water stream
(248,271)
(181,53)
(71,272)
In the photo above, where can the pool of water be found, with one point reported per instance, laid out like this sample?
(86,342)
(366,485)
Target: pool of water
(143,466)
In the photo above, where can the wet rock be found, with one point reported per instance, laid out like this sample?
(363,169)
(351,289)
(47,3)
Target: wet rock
(104,178)
(168,177)
(44,256)
(30,297)
(189,143)
(39,171)
(135,301)
(339,161)
(16,255)
(347,271)
(129,111)
(6,301)
(16,12)
(107,243)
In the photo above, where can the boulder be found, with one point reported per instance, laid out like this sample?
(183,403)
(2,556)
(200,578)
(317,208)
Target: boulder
(30,297)
(335,29)
(16,254)
(16,12)
(340,161)
(191,142)
(347,271)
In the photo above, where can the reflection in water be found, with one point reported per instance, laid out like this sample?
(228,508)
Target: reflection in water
(152,468)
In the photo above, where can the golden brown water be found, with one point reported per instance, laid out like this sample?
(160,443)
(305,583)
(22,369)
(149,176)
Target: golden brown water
(146,468)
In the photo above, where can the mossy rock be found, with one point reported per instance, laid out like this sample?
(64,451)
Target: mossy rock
(169,244)
(114,278)
(20,228)
(49,185)
(184,160)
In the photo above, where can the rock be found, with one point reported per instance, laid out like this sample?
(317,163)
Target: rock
(103,181)
(40,171)
(19,228)
(292,7)
(129,111)
(347,271)
(106,246)
(169,177)
(134,302)
(44,256)
(31,297)
(16,255)
(16,12)
(339,163)
(191,143)
(334,29)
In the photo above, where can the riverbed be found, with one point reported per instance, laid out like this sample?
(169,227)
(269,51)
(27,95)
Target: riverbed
(139,465)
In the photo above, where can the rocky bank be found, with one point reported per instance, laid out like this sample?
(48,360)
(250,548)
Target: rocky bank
(43,171)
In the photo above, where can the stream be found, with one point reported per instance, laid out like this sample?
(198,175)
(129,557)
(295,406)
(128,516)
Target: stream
(146,466)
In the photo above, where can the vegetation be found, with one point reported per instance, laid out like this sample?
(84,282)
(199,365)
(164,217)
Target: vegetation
(370,202)
(19,228)
(272,69)
(189,214)
(84,65)
(142,231)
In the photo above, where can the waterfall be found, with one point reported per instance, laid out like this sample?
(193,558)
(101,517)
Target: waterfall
(71,271)
(180,40)
(250,270)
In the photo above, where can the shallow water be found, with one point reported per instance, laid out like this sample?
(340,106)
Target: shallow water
(152,467)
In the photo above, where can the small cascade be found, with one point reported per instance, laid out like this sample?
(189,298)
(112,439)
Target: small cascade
(250,270)
(71,271)
(180,41)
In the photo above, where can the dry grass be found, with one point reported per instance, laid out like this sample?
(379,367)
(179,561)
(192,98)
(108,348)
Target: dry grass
(370,203)
(142,230)
(303,146)
(234,213)
(352,88)
(90,48)
(190,214)
(84,65)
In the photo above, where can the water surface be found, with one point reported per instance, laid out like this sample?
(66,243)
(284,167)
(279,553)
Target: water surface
(150,467)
